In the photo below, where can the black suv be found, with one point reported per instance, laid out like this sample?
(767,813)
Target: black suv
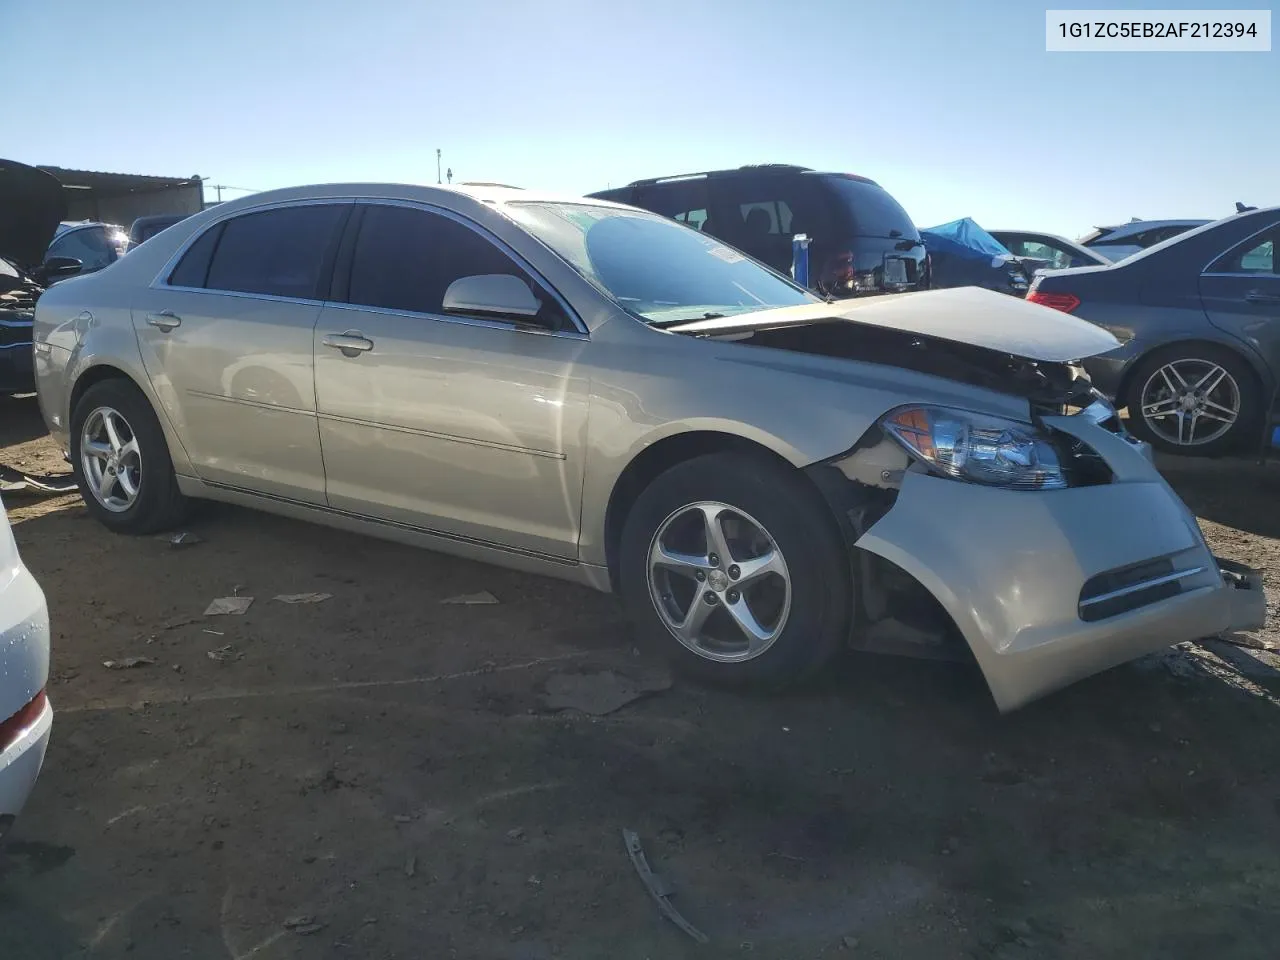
(861,240)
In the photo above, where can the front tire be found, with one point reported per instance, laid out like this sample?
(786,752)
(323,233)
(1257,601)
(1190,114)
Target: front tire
(733,568)
(121,460)
(1195,399)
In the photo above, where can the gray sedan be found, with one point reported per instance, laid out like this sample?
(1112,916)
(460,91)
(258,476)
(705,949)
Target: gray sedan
(1199,320)
(594,392)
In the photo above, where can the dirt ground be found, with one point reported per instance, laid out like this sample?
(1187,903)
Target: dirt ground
(379,775)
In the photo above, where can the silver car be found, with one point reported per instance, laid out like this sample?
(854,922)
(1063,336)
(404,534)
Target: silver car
(586,390)
(26,716)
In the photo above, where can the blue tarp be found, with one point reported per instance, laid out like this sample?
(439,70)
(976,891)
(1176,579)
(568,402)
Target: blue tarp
(964,238)
(962,254)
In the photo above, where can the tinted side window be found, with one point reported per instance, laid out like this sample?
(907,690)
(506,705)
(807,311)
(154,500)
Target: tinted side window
(279,252)
(1256,255)
(193,269)
(405,259)
(90,246)
(1043,250)
(774,205)
(683,200)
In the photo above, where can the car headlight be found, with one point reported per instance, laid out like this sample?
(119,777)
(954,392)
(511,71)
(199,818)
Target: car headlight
(981,449)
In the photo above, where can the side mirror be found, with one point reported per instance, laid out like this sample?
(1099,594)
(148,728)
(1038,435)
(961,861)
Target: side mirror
(56,268)
(497,294)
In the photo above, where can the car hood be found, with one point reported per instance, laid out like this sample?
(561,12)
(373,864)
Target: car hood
(32,203)
(968,315)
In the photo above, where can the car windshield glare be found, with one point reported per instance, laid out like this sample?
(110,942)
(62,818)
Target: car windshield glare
(659,270)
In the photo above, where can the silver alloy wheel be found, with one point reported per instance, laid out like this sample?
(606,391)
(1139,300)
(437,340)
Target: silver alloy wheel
(719,582)
(1190,402)
(111,459)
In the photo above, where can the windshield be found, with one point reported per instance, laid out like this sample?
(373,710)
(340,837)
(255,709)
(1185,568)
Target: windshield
(658,269)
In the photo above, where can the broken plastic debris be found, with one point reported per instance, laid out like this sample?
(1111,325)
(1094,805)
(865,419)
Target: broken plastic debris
(224,654)
(128,663)
(658,888)
(473,599)
(302,597)
(599,693)
(15,481)
(228,605)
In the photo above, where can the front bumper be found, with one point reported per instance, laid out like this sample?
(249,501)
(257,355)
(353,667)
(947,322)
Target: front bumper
(1049,587)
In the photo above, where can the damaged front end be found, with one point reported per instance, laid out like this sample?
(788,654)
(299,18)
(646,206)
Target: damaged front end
(1046,551)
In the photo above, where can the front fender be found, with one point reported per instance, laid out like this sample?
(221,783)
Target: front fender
(804,408)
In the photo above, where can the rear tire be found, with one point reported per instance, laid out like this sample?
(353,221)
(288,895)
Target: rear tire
(121,460)
(1167,400)
(783,594)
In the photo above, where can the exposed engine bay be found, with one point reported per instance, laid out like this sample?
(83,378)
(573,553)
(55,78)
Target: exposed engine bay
(1051,387)
(18,294)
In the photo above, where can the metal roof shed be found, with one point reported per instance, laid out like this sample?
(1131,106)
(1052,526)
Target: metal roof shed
(123,197)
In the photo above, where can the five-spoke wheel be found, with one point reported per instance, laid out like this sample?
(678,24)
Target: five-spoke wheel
(719,581)
(732,565)
(121,459)
(111,459)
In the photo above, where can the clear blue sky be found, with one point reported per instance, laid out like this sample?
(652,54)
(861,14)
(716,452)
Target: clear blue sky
(953,105)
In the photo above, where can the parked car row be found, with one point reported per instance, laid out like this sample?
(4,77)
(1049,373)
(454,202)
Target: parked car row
(599,393)
(1194,302)
(596,392)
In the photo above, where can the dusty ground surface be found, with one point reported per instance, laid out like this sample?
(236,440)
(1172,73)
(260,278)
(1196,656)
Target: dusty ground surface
(383,769)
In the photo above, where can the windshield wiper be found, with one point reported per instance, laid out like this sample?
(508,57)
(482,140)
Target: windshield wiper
(675,323)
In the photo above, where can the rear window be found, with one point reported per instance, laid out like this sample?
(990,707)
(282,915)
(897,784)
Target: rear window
(872,212)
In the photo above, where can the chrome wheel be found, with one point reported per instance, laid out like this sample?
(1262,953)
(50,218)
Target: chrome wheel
(1190,402)
(111,459)
(719,582)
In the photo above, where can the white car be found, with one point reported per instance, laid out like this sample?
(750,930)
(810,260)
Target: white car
(26,715)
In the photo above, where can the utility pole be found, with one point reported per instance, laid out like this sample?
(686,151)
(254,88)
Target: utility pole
(438,180)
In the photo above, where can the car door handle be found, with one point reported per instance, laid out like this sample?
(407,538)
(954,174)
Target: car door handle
(352,343)
(1257,296)
(165,320)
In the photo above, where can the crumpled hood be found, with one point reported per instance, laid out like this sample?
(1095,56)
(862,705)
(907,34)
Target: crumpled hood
(971,315)
(32,203)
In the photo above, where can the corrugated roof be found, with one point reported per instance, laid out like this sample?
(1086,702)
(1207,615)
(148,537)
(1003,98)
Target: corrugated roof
(116,184)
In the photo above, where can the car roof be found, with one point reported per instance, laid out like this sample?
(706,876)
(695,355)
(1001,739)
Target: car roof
(66,226)
(753,168)
(1201,228)
(1121,230)
(493,195)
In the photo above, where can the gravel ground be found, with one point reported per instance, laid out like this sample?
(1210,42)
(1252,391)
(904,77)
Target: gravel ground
(380,774)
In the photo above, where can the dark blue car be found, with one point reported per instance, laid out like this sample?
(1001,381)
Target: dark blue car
(1199,319)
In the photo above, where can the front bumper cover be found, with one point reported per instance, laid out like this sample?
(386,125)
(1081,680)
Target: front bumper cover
(1011,569)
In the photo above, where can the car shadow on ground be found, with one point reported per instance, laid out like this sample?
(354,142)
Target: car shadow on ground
(20,419)
(382,754)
